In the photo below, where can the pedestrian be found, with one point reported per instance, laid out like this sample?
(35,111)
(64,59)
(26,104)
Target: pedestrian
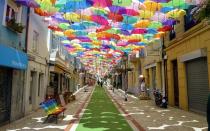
(208,112)
(101,83)
(143,85)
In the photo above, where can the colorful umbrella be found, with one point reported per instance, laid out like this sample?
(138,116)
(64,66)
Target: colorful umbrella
(28,3)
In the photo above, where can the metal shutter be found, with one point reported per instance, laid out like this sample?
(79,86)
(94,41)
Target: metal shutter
(197,81)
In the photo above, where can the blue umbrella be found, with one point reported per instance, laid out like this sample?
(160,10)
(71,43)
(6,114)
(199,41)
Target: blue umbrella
(71,5)
(152,31)
(126,27)
(77,26)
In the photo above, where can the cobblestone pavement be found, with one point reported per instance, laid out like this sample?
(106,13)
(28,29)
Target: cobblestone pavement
(151,117)
(34,121)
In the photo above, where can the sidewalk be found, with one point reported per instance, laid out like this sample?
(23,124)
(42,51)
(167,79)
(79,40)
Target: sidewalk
(35,120)
(151,117)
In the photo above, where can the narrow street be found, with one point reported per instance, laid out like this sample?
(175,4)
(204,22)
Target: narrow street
(102,115)
(95,111)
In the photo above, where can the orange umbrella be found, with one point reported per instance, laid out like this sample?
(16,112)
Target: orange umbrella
(142,24)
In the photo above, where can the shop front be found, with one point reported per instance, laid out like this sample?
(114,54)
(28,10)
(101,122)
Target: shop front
(12,63)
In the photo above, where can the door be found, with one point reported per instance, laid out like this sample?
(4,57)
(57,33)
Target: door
(33,90)
(197,83)
(5,94)
(176,84)
(153,77)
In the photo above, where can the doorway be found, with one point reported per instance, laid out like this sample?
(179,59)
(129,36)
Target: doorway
(176,84)
(5,94)
(33,92)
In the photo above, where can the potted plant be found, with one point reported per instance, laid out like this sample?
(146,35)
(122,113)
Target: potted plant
(13,25)
(201,12)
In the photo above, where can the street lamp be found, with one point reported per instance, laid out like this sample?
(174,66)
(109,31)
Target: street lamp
(126,79)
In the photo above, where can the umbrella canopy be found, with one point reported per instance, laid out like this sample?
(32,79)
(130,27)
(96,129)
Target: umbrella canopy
(28,3)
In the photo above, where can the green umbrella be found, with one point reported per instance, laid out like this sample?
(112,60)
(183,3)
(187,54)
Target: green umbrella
(121,2)
(181,4)
(155,24)
(64,26)
(114,31)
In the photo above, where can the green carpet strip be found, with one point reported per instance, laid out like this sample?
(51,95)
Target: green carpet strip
(102,115)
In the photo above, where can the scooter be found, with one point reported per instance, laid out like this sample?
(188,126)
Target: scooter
(159,99)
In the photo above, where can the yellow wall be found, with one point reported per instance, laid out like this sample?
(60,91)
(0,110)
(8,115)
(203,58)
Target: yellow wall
(192,41)
(158,75)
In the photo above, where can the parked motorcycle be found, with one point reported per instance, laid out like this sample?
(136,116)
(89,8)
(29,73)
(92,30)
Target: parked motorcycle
(159,99)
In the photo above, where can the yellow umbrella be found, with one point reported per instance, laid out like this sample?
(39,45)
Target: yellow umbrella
(145,14)
(69,32)
(58,33)
(177,13)
(142,24)
(72,17)
(152,6)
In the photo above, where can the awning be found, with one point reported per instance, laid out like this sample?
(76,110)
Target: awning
(13,58)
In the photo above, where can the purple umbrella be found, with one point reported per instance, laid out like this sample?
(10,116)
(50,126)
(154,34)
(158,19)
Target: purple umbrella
(29,3)
(169,22)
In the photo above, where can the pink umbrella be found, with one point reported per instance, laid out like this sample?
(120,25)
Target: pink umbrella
(159,16)
(123,44)
(130,12)
(139,31)
(99,19)
(102,3)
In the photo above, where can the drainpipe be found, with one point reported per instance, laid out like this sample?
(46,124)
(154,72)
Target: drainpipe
(26,49)
(27,29)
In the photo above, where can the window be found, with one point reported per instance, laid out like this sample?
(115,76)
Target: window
(35,41)
(12,11)
(172,34)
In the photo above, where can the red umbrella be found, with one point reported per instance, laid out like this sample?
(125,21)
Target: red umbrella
(115,17)
(55,28)
(103,28)
(165,28)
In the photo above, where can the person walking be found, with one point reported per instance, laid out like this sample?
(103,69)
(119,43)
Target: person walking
(101,83)
(208,112)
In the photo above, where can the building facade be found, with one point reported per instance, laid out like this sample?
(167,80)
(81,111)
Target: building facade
(37,71)
(61,78)
(13,60)
(188,67)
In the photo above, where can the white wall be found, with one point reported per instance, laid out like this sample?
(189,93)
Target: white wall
(38,63)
